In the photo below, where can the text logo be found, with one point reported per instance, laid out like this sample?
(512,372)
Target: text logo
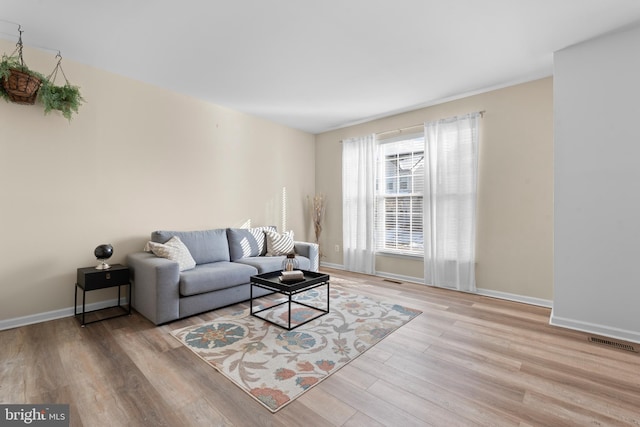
(34,415)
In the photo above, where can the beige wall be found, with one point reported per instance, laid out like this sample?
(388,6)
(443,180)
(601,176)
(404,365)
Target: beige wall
(137,158)
(515,195)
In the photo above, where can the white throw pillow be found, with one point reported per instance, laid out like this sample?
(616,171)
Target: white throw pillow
(279,244)
(174,250)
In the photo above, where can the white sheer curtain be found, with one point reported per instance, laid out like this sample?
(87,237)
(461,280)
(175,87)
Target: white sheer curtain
(358,196)
(451,175)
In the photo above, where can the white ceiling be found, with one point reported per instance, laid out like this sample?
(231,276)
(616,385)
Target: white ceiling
(317,65)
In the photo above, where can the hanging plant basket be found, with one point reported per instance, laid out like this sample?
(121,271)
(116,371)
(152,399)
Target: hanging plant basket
(25,100)
(19,83)
(21,86)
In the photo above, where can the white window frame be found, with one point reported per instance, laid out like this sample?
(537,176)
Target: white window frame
(389,237)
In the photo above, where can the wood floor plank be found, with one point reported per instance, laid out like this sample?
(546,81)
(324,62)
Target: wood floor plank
(379,409)
(449,400)
(423,409)
(13,366)
(319,401)
(466,360)
(570,415)
(360,420)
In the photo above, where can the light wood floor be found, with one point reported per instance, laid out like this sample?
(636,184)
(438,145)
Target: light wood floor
(467,360)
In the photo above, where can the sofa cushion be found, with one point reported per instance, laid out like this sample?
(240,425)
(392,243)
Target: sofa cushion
(247,242)
(174,250)
(267,264)
(214,276)
(205,246)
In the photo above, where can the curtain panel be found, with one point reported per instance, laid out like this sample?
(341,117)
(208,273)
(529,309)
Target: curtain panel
(451,176)
(358,195)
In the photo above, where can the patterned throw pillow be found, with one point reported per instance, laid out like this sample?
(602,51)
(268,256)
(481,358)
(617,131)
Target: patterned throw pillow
(279,244)
(174,250)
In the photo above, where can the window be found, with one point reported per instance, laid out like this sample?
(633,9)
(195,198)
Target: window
(399,192)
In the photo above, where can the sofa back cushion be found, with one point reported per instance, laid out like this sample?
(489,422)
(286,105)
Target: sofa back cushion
(247,242)
(205,246)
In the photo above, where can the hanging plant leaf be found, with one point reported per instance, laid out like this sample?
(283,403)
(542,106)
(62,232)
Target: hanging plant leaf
(66,99)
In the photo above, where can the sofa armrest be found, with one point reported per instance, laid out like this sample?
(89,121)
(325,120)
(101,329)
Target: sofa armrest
(309,250)
(155,282)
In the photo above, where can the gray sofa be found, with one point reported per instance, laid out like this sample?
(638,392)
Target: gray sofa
(225,259)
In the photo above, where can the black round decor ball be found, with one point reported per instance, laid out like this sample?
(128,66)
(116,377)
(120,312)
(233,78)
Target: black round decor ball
(103,251)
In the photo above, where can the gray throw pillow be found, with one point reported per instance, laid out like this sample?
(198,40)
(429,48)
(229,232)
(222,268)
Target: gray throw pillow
(205,246)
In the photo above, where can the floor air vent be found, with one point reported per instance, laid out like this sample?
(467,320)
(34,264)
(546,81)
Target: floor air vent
(392,281)
(614,344)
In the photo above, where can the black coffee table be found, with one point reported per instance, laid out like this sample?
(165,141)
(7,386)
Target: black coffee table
(271,281)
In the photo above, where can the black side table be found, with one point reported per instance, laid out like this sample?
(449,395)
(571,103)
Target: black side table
(90,279)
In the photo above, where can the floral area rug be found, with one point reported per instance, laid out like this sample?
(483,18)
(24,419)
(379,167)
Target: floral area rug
(274,365)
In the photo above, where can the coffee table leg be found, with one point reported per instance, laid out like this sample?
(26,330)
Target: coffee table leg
(328,296)
(289,310)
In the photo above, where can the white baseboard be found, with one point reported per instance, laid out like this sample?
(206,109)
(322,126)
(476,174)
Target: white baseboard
(56,314)
(331,265)
(596,329)
(515,297)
